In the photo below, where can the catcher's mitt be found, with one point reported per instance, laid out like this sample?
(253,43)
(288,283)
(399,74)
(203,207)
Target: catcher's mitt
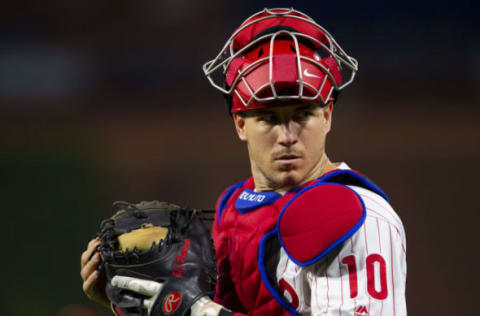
(162,242)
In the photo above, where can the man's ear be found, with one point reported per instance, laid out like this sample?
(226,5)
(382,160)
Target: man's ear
(327,115)
(239,122)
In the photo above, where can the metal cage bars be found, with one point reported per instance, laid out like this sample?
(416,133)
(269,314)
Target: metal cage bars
(333,49)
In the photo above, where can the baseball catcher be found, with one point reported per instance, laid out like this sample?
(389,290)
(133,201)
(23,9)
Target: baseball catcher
(158,259)
(302,236)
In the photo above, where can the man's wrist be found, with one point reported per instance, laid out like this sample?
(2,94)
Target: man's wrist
(206,307)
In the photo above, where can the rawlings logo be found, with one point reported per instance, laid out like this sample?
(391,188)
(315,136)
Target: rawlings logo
(171,303)
(177,266)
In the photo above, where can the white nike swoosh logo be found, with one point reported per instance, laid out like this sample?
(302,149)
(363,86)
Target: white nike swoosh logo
(307,74)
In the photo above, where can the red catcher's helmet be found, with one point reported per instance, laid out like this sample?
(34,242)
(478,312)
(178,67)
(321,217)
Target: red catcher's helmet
(280,56)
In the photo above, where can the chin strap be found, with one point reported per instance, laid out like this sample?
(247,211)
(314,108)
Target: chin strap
(206,307)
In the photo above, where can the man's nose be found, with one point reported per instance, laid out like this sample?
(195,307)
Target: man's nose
(288,133)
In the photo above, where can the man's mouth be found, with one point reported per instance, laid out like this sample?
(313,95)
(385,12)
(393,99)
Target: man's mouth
(287,158)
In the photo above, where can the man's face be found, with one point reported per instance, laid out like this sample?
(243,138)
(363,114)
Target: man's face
(286,144)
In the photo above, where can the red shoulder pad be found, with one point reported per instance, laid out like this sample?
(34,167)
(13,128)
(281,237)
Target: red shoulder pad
(317,220)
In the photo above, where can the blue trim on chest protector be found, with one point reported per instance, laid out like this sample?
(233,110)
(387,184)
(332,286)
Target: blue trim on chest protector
(250,200)
(226,197)
(264,275)
(348,177)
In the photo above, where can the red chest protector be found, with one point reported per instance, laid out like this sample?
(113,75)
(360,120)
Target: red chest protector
(244,221)
(237,238)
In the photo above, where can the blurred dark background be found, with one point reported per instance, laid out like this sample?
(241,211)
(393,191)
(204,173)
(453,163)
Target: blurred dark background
(101,101)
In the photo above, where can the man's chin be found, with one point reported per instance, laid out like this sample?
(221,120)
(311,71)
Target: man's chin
(290,179)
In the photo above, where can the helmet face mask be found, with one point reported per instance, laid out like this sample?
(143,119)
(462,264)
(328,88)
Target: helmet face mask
(279,56)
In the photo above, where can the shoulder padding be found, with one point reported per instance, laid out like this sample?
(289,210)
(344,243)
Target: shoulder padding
(317,220)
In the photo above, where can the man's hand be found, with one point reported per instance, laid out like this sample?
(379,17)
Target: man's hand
(159,242)
(93,280)
(151,290)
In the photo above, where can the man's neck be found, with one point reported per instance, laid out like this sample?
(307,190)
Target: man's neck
(324,166)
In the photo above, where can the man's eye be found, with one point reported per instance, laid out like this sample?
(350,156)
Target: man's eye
(268,118)
(303,114)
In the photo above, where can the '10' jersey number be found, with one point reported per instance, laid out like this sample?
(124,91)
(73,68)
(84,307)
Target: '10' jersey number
(376,275)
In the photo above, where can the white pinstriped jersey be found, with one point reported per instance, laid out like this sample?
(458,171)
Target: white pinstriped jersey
(365,277)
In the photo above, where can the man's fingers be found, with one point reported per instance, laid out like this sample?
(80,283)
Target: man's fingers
(90,267)
(89,284)
(87,254)
(94,240)
(148,303)
(94,251)
(144,287)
